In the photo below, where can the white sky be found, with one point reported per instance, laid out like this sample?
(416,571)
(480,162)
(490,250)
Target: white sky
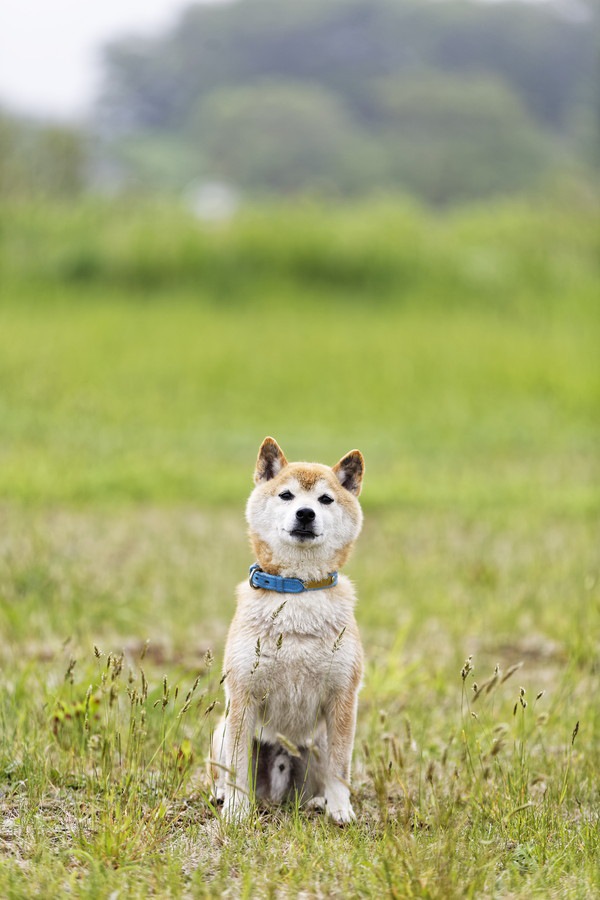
(49,48)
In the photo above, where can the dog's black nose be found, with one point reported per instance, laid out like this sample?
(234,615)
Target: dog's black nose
(305,515)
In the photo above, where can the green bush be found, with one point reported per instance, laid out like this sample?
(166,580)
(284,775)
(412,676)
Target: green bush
(397,252)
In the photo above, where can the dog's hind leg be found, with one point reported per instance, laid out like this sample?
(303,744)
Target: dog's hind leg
(310,770)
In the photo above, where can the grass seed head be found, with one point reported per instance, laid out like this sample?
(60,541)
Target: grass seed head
(522,699)
(116,663)
(288,745)
(575,732)
(511,671)
(278,610)
(257,653)
(338,640)
(408,728)
(467,667)
(144,685)
(486,686)
(69,673)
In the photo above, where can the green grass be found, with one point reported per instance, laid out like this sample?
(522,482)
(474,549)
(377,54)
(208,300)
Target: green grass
(461,356)
(168,403)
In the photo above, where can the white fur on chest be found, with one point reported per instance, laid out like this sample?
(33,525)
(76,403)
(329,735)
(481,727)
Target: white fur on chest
(295,652)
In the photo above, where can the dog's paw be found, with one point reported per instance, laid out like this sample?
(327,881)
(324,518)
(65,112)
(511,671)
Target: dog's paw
(236,808)
(316,804)
(341,815)
(218,796)
(337,799)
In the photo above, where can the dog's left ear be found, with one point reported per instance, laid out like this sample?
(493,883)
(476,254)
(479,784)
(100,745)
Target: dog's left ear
(270,462)
(350,471)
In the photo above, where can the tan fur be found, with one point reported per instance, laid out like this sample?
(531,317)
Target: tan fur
(293,662)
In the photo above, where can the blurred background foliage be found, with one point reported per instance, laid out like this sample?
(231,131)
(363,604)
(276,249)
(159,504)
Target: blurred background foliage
(445,101)
(403,188)
(41,160)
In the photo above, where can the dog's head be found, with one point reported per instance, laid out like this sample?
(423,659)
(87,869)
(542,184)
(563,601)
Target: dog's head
(304,517)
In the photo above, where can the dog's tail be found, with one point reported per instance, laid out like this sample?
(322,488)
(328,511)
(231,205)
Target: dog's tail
(281,775)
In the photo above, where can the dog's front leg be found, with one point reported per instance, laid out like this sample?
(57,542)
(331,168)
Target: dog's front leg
(239,731)
(218,762)
(340,717)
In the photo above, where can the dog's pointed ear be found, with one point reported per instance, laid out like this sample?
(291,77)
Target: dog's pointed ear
(350,471)
(270,462)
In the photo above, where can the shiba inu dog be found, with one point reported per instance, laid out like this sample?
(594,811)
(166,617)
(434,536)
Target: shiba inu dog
(293,657)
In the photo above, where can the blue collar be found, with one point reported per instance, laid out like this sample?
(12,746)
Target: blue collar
(260,579)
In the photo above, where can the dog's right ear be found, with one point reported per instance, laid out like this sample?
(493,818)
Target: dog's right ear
(270,462)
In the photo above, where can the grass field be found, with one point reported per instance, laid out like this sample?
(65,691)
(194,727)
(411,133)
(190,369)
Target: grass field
(142,360)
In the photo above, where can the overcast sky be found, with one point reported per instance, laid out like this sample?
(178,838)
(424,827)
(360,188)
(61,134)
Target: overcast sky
(49,48)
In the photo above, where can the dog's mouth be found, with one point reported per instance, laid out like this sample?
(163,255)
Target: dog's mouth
(304,534)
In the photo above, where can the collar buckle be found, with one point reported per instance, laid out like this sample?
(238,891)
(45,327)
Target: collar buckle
(252,572)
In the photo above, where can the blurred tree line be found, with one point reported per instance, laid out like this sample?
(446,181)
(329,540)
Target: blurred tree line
(41,160)
(448,100)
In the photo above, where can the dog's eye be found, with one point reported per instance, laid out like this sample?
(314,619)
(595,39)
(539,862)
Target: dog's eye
(286,495)
(325,499)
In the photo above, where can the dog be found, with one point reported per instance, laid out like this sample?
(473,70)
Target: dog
(293,657)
